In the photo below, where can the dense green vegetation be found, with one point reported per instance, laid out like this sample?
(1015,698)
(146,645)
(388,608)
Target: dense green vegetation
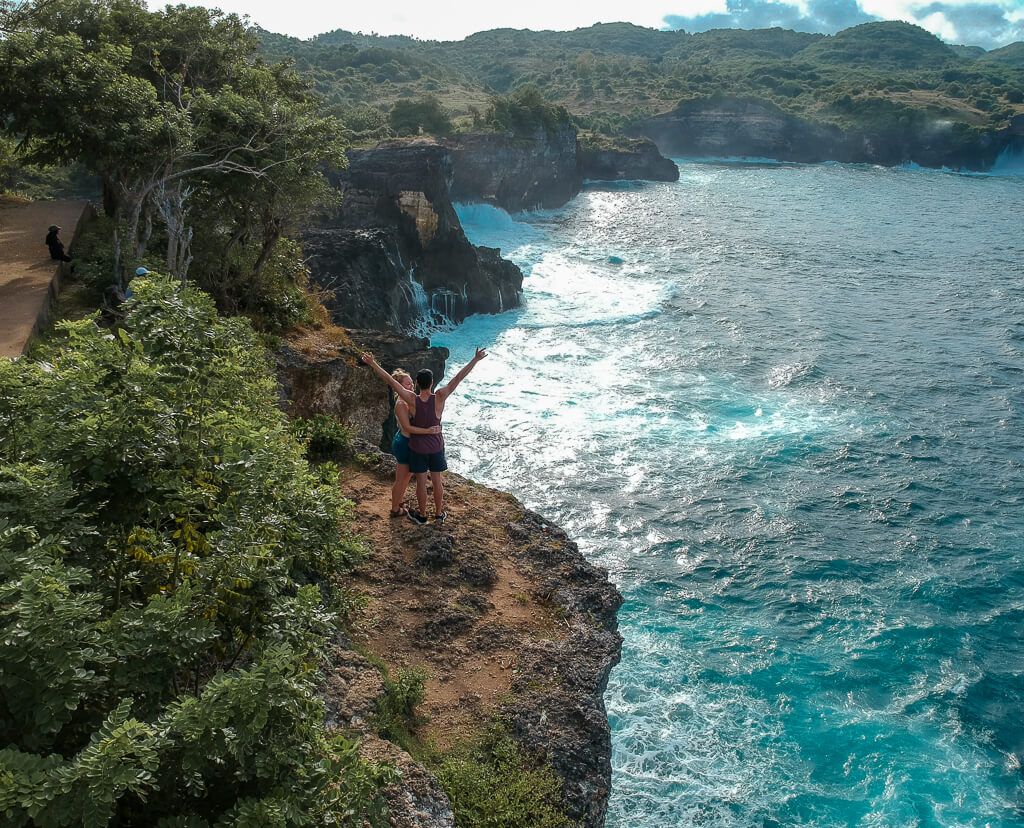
(167,558)
(207,155)
(608,75)
(493,783)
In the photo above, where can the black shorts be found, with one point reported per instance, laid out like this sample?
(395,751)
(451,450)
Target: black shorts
(420,463)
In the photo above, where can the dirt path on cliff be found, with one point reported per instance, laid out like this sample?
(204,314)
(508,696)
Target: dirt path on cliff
(26,269)
(450,598)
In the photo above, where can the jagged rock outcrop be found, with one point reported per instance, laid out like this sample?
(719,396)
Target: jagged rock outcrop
(640,161)
(733,127)
(394,254)
(558,707)
(337,384)
(516,173)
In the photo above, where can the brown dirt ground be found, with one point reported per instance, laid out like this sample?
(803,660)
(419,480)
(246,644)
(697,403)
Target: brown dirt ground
(26,269)
(469,672)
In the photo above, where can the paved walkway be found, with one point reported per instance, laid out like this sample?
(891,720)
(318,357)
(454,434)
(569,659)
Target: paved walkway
(27,273)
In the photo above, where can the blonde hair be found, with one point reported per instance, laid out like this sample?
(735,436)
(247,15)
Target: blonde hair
(398,373)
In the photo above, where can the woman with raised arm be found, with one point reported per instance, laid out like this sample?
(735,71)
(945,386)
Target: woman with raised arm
(399,380)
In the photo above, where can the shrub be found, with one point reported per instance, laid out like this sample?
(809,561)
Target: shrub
(325,438)
(525,112)
(409,117)
(396,709)
(164,609)
(493,783)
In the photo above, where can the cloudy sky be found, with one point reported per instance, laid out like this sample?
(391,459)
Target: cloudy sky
(987,23)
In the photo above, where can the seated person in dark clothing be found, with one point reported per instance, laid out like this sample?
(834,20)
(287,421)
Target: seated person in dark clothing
(56,245)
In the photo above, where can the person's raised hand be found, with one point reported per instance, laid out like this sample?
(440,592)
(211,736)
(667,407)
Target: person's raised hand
(480,354)
(367,357)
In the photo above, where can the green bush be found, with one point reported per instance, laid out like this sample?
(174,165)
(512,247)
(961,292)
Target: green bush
(164,602)
(525,112)
(410,117)
(94,254)
(325,438)
(278,296)
(396,710)
(493,783)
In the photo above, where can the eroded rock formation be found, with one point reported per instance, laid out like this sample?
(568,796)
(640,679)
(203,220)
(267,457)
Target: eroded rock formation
(641,161)
(318,379)
(516,173)
(394,254)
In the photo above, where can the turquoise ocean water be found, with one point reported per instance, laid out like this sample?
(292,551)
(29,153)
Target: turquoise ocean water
(784,406)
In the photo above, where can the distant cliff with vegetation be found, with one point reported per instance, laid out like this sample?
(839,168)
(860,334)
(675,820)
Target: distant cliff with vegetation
(874,84)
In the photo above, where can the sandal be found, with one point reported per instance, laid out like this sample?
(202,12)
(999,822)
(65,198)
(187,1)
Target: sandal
(403,510)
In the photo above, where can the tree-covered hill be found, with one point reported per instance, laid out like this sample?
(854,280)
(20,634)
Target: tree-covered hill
(610,74)
(1012,55)
(889,44)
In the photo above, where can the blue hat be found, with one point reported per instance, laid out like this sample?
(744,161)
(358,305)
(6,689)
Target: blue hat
(141,271)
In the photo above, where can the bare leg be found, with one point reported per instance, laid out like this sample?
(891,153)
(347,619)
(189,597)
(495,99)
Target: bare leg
(402,475)
(435,481)
(421,492)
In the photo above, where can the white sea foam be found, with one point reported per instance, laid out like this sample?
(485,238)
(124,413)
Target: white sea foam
(722,420)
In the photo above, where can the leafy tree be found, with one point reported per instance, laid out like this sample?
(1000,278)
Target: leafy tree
(167,108)
(410,117)
(525,112)
(165,602)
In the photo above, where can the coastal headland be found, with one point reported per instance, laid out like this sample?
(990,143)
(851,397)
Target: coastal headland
(497,605)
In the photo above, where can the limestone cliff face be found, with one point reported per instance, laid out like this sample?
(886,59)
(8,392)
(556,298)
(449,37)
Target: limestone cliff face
(516,173)
(394,255)
(558,709)
(639,162)
(731,127)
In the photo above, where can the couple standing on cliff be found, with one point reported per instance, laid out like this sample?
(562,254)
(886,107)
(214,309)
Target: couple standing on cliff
(419,448)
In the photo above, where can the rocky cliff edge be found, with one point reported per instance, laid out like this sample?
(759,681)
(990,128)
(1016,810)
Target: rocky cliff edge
(497,604)
(394,256)
(508,619)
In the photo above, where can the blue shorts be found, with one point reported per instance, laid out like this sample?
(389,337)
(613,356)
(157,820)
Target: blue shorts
(420,463)
(400,448)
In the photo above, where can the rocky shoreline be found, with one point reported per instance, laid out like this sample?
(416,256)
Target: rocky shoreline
(393,256)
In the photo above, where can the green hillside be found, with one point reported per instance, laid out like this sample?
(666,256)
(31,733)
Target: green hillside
(611,74)
(1012,55)
(886,44)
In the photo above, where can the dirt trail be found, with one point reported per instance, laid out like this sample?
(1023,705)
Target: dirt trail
(27,273)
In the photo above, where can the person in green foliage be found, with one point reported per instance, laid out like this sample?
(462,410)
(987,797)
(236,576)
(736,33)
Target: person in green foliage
(165,596)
